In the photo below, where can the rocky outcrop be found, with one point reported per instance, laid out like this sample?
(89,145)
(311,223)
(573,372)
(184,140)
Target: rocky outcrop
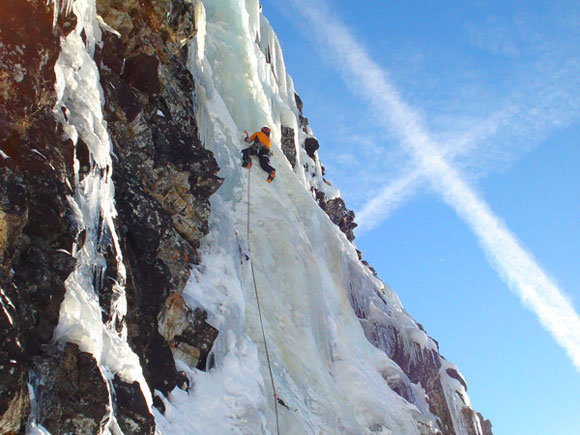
(288,145)
(187,332)
(334,207)
(131,409)
(456,375)
(72,395)
(163,178)
(302,120)
(338,214)
(163,175)
(299,103)
(311,145)
(36,234)
(485,425)
(423,367)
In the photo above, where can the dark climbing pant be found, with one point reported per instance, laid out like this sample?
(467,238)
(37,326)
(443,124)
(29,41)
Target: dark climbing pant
(262,155)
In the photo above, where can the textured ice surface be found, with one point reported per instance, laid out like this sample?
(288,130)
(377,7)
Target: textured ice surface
(79,109)
(324,368)
(308,275)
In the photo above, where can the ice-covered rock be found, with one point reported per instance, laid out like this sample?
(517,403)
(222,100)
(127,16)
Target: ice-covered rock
(133,245)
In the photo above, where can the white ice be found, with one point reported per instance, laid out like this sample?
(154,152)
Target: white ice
(79,110)
(307,272)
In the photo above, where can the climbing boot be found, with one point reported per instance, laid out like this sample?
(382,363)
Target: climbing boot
(247,164)
(271,176)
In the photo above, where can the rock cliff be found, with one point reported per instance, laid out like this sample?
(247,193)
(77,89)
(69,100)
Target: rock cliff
(113,129)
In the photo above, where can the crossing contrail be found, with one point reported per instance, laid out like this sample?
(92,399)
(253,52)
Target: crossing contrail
(516,267)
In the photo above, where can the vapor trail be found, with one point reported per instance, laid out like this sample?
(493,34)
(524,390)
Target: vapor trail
(389,199)
(400,189)
(515,266)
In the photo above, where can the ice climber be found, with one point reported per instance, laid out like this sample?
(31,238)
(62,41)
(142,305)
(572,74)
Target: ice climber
(261,144)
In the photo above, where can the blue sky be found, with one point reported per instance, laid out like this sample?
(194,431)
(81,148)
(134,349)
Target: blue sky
(490,93)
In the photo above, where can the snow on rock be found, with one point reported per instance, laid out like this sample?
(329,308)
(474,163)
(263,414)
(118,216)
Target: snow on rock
(79,109)
(152,275)
(308,275)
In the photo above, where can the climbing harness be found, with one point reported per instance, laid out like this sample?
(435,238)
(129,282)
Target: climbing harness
(276,398)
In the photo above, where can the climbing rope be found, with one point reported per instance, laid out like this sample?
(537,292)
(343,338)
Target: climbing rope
(276,399)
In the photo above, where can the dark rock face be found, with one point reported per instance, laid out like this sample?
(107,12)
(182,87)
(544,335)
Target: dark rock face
(143,225)
(198,336)
(299,103)
(187,331)
(141,72)
(72,395)
(163,175)
(485,425)
(311,145)
(163,178)
(35,228)
(339,215)
(132,412)
(423,367)
(288,145)
(302,121)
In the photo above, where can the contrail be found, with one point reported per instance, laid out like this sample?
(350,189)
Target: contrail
(400,189)
(389,199)
(515,266)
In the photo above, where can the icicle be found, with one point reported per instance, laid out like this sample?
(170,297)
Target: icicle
(6,306)
(59,8)
(80,97)
(309,272)
(33,427)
